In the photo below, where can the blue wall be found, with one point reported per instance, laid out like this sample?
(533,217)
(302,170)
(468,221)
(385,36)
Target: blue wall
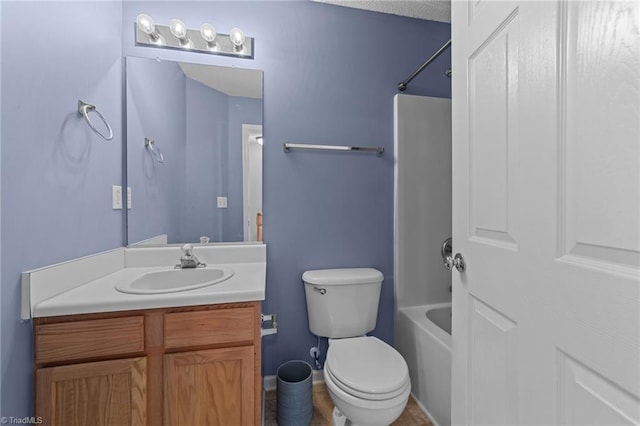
(207,142)
(158,190)
(56,174)
(330,75)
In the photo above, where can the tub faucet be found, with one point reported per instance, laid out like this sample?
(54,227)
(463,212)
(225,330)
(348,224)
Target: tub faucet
(188,259)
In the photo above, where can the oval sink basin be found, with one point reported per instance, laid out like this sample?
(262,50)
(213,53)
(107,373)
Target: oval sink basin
(172,280)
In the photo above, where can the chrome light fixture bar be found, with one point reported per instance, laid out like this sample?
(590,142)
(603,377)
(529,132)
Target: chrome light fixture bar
(204,40)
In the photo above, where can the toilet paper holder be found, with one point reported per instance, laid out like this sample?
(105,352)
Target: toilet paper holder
(274,324)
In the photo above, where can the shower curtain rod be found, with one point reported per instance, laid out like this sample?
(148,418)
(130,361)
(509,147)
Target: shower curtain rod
(402,86)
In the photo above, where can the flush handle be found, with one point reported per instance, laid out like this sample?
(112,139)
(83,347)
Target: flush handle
(321,290)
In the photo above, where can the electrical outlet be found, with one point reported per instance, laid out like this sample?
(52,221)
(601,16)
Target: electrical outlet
(221,202)
(116,197)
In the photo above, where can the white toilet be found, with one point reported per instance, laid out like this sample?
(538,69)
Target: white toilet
(367,379)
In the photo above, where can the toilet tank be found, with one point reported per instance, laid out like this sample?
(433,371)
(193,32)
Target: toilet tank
(342,302)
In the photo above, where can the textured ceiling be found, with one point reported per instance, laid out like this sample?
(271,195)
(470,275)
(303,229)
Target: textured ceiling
(432,10)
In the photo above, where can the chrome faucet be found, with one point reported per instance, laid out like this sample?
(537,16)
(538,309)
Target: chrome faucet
(188,259)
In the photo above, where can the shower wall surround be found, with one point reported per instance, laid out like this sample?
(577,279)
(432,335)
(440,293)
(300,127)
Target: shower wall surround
(332,82)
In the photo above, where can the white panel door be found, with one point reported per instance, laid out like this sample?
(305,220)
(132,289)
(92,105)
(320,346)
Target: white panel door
(546,212)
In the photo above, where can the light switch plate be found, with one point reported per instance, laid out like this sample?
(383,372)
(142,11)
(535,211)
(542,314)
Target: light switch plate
(128,197)
(116,197)
(222,202)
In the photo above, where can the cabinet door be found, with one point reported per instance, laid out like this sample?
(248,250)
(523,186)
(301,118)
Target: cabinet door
(210,387)
(95,393)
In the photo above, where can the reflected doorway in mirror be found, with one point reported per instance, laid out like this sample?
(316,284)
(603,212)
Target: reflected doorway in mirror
(252,143)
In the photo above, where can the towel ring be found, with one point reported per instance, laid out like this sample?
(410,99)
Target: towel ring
(84,109)
(156,154)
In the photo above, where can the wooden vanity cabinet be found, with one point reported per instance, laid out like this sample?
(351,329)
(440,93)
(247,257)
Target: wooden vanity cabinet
(173,366)
(93,393)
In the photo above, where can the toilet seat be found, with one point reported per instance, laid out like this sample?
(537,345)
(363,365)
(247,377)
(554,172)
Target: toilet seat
(366,367)
(364,396)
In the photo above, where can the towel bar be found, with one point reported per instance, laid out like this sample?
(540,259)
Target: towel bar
(377,149)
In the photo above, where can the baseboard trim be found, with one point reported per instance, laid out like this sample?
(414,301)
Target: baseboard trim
(424,410)
(269,382)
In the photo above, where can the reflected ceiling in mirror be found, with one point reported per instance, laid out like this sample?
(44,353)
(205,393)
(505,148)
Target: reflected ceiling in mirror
(205,123)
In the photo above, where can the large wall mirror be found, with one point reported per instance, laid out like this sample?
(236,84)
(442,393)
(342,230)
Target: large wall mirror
(194,152)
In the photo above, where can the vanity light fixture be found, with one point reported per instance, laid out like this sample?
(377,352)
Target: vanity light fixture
(177,35)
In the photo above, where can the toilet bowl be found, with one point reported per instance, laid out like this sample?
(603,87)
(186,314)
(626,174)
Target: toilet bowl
(367,380)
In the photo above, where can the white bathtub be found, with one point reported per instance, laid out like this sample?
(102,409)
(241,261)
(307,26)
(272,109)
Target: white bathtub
(423,337)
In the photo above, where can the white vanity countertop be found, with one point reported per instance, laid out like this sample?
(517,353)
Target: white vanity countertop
(99,294)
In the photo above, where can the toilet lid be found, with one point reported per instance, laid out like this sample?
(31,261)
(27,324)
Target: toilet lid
(367,365)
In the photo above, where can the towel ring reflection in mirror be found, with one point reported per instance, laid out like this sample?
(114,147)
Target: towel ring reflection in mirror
(156,154)
(84,109)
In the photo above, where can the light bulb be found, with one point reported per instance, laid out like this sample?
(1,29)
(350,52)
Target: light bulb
(208,32)
(146,25)
(178,29)
(237,37)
